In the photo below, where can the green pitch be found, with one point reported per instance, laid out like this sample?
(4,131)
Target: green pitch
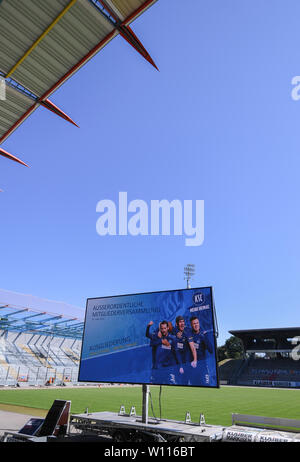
(216,404)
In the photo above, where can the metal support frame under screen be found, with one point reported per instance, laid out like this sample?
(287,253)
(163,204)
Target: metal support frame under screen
(145,409)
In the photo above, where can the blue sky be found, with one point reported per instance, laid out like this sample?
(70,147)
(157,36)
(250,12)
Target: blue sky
(217,123)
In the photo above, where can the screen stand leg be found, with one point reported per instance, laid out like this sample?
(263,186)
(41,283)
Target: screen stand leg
(146,390)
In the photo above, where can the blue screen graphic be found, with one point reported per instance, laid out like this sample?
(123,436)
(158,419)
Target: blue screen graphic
(159,338)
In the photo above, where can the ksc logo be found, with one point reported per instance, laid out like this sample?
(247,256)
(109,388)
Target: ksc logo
(198,298)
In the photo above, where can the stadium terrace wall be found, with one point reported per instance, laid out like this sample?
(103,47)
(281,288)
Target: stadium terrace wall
(37,360)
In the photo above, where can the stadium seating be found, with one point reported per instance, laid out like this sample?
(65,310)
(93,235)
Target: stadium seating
(229,369)
(38,360)
(279,372)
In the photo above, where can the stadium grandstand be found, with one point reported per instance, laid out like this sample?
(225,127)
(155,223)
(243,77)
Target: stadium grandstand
(44,43)
(270,359)
(40,341)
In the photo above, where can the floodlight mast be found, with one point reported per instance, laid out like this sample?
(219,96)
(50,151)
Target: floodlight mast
(189,271)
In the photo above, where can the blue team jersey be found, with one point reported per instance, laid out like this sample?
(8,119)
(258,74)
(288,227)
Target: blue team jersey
(201,344)
(182,343)
(163,355)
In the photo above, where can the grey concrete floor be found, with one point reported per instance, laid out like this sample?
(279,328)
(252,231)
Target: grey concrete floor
(10,421)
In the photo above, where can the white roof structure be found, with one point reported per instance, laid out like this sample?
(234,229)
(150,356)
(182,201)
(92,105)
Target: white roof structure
(28,313)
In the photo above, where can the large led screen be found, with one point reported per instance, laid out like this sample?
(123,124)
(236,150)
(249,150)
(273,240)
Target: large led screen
(160,338)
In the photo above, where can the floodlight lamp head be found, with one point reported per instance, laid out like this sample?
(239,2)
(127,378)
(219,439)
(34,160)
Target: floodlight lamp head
(189,271)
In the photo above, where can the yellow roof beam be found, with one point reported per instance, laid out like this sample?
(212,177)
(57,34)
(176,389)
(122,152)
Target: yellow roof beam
(34,45)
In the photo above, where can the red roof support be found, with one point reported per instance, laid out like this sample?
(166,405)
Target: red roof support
(10,156)
(127,33)
(52,107)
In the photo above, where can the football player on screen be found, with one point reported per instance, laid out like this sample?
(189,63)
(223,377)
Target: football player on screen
(166,362)
(185,347)
(199,375)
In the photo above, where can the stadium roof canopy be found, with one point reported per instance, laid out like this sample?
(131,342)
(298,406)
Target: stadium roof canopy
(43,43)
(29,314)
(270,339)
(264,333)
